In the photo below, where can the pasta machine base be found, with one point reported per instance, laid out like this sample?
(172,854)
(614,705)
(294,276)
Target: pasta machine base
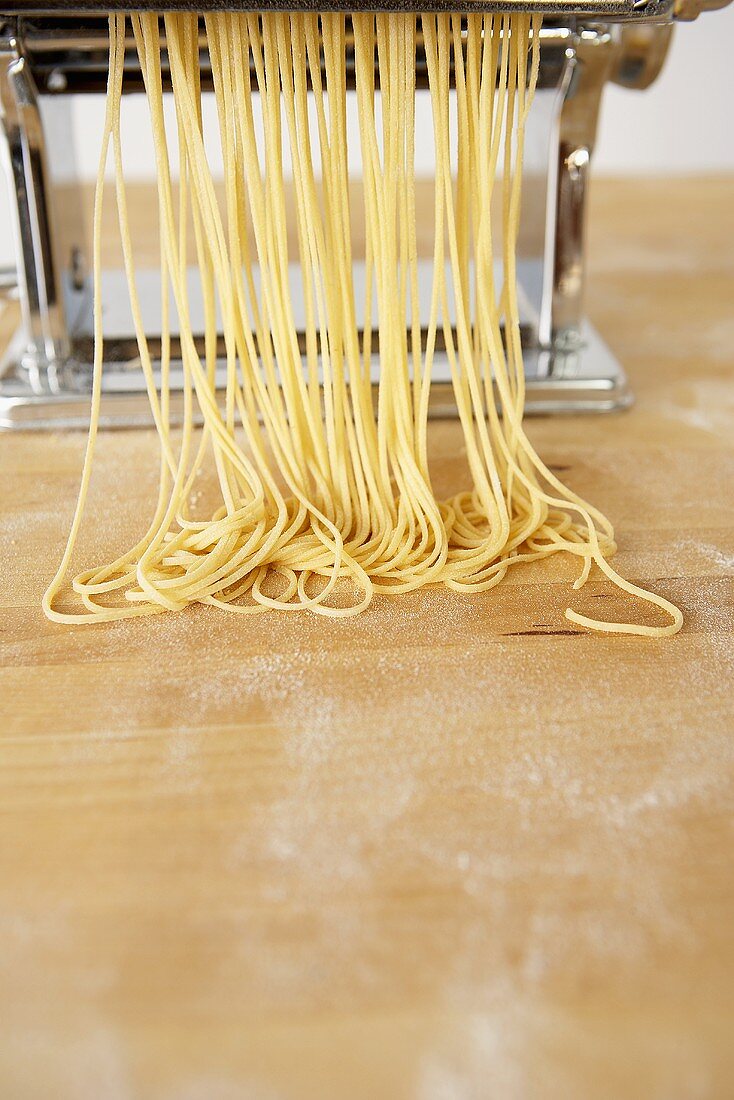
(585,378)
(576,373)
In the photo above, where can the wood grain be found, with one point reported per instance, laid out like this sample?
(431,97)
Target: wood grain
(450,849)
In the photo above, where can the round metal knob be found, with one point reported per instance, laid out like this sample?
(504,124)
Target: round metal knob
(691,9)
(642,50)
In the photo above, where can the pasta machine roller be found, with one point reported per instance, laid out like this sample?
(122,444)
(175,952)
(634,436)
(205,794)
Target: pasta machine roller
(50,53)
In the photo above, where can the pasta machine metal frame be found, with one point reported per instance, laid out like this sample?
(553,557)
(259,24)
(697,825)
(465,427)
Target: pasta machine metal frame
(45,377)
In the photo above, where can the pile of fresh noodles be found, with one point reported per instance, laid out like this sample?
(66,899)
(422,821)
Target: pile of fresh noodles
(323,491)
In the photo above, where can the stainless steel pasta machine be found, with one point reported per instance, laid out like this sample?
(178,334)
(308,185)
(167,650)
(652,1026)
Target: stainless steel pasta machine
(50,53)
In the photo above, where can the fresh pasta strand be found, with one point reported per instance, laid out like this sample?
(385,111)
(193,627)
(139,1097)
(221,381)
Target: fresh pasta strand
(319,489)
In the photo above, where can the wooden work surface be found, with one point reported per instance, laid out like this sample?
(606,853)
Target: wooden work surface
(452,849)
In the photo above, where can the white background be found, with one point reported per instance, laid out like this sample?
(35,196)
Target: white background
(683,124)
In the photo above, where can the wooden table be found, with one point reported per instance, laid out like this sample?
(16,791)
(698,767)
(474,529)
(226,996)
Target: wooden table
(441,851)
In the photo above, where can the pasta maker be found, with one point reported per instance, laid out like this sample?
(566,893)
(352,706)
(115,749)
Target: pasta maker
(49,54)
